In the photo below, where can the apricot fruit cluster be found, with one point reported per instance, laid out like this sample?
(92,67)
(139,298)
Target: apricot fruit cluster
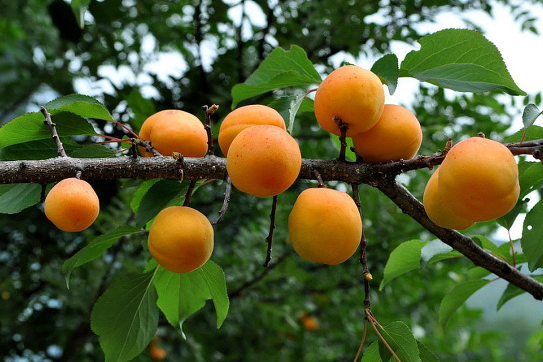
(353,97)
(172,131)
(72,205)
(325,226)
(477,181)
(181,239)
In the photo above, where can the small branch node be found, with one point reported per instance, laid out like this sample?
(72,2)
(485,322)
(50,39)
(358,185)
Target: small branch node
(319,179)
(180,160)
(208,113)
(343,127)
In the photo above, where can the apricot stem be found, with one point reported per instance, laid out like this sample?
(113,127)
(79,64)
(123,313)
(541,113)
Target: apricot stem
(188,195)
(226,202)
(343,127)
(269,239)
(319,179)
(208,112)
(53,129)
(148,147)
(363,340)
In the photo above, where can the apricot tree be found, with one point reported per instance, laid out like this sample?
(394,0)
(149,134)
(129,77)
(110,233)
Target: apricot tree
(126,315)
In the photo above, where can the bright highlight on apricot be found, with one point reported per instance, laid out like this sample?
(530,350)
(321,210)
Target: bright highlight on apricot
(350,93)
(325,226)
(244,117)
(397,135)
(263,160)
(72,205)
(181,239)
(477,181)
(172,131)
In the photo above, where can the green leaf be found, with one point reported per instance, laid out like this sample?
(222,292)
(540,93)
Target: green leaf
(92,151)
(532,133)
(435,251)
(280,69)
(371,354)
(79,7)
(182,294)
(95,249)
(512,291)
(404,258)
(79,104)
(400,338)
(532,237)
(456,297)
(349,154)
(16,197)
(125,317)
(485,243)
(530,177)
(30,127)
(157,197)
(459,59)
(290,106)
(36,150)
(387,70)
(530,114)
(425,354)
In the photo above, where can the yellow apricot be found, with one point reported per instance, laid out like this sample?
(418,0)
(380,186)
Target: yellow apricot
(353,94)
(437,209)
(244,117)
(72,205)
(172,131)
(181,239)
(481,178)
(263,160)
(396,136)
(325,226)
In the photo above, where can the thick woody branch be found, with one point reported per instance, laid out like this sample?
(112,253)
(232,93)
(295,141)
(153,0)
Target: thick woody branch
(414,208)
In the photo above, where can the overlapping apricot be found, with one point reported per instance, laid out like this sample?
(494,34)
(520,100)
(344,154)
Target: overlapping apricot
(325,226)
(263,160)
(72,205)
(353,95)
(244,117)
(477,181)
(172,131)
(181,239)
(397,135)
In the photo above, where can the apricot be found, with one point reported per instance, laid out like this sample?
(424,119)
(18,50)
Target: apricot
(244,117)
(263,160)
(353,94)
(396,136)
(172,131)
(436,206)
(481,177)
(72,205)
(181,239)
(478,181)
(325,226)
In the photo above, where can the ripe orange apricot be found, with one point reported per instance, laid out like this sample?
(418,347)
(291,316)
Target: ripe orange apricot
(353,94)
(172,131)
(72,205)
(436,206)
(478,181)
(325,226)
(396,136)
(181,239)
(483,174)
(263,160)
(244,117)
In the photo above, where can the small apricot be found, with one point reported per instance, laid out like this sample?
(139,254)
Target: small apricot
(72,205)
(396,136)
(437,209)
(325,226)
(263,160)
(172,131)
(481,178)
(352,94)
(181,239)
(244,117)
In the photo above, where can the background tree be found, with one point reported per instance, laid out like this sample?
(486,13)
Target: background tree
(216,45)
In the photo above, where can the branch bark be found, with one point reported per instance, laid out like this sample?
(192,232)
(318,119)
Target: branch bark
(382,176)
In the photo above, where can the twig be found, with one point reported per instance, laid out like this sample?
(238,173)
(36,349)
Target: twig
(188,195)
(148,147)
(343,127)
(363,246)
(320,183)
(53,129)
(226,202)
(269,238)
(363,340)
(208,113)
